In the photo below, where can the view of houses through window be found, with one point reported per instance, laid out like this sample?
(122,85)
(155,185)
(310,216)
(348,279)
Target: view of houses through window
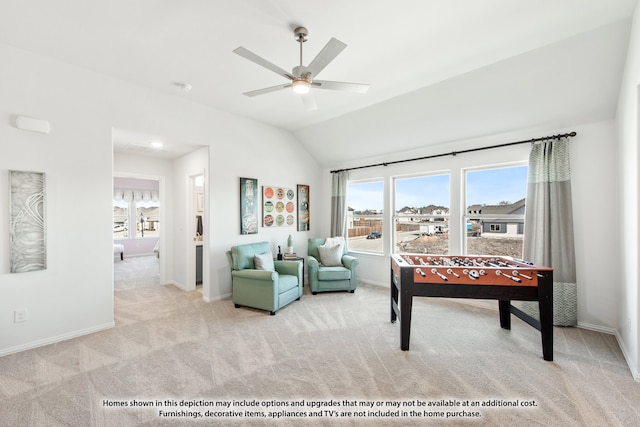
(120,219)
(144,215)
(421,217)
(494,215)
(364,216)
(136,208)
(492,221)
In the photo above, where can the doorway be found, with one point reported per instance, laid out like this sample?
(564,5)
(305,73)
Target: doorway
(137,218)
(196,239)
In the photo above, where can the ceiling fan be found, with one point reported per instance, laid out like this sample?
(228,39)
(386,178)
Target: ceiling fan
(303,78)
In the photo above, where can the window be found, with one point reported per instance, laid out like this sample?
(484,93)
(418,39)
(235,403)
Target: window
(421,214)
(136,213)
(120,219)
(494,215)
(364,216)
(148,219)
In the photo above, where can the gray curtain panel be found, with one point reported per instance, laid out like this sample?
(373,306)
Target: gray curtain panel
(339,204)
(548,237)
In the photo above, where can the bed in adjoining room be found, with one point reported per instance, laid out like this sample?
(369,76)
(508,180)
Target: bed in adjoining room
(118,249)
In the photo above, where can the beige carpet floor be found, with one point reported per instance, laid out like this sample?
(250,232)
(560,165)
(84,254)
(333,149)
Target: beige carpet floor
(136,272)
(170,348)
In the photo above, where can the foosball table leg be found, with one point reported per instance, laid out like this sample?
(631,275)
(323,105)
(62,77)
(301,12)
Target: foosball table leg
(406,307)
(505,314)
(545,304)
(394,298)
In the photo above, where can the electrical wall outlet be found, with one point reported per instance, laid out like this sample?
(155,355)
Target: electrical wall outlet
(20,315)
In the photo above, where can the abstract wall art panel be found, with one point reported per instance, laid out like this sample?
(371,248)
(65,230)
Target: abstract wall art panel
(27,231)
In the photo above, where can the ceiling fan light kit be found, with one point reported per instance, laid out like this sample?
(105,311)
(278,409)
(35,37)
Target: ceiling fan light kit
(302,78)
(301,86)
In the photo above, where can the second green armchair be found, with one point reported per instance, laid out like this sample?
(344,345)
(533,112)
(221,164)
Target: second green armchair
(336,272)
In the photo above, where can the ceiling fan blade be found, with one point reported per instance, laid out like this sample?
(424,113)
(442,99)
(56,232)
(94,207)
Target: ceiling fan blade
(266,90)
(309,101)
(247,54)
(326,55)
(346,87)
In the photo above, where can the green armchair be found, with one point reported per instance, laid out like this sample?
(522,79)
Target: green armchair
(260,282)
(326,274)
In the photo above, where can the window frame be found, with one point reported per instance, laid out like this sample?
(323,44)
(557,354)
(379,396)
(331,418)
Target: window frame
(382,239)
(469,217)
(132,218)
(429,217)
(125,218)
(156,220)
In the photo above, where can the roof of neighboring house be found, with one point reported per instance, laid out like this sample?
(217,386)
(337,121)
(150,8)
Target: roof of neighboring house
(497,209)
(425,210)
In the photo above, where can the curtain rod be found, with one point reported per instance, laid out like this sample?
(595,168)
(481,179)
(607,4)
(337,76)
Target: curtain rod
(453,153)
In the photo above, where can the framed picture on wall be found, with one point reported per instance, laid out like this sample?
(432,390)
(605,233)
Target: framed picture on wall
(303,208)
(278,207)
(27,234)
(248,206)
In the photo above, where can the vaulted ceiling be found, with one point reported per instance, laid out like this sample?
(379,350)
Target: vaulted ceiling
(439,71)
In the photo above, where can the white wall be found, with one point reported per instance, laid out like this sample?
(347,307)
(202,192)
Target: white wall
(75,294)
(180,248)
(594,193)
(628,161)
(272,156)
(595,196)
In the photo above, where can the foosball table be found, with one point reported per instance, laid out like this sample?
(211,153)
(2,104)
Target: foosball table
(499,278)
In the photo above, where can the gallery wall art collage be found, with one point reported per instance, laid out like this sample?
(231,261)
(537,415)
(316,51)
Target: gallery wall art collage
(279,206)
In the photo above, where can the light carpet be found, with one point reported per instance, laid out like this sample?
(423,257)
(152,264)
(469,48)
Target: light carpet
(136,272)
(169,346)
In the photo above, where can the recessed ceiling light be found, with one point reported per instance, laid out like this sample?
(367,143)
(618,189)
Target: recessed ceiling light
(156,144)
(184,86)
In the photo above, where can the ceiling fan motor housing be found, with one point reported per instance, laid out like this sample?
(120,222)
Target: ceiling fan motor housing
(301,71)
(301,33)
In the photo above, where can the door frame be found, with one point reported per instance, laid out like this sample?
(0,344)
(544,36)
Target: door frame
(163,213)
(191,225)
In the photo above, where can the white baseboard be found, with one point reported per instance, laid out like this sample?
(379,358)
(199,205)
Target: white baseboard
(218,298)
(177,285)
(627,357)
(597,328)
(375,283)
(58,338)
(205,299)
